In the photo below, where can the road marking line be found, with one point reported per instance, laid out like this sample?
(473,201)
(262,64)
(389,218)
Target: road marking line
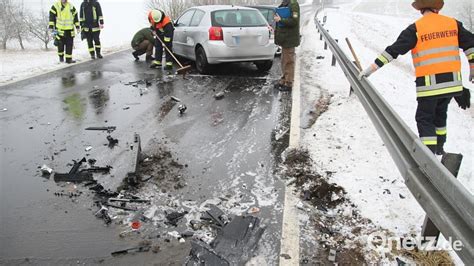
(290,232)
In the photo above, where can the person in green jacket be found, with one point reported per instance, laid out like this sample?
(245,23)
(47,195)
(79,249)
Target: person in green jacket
(143,42)
(287,35)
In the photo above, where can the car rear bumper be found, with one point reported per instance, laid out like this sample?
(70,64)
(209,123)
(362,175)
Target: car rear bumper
(218,52)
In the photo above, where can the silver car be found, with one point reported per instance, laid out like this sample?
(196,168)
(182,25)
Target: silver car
(219,34)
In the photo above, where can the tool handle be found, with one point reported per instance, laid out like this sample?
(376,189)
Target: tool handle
(167,49)
(359,66)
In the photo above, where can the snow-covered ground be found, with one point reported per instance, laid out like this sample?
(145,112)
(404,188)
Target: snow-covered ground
(122,20)
(344,141)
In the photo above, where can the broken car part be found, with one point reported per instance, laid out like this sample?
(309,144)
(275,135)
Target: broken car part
(108,129)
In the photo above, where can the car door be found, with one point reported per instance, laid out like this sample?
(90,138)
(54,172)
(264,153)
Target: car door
(180,33)
(194,33)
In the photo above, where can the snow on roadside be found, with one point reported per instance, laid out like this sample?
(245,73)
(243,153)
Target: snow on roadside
(122,20)
(17,65)
(343,139)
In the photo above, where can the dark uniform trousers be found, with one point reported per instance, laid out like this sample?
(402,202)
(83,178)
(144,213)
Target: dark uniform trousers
(65,44)
(159,49)
(93,38)
(431,116)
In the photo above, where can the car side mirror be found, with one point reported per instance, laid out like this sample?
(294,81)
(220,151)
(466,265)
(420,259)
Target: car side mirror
(175,23)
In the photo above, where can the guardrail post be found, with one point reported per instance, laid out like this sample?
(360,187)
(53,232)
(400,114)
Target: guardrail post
(325,45)
(333,63)
(452,162)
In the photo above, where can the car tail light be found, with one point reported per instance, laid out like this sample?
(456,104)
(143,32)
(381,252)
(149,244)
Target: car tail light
(216,34)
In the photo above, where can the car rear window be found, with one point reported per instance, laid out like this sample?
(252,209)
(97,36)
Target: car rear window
(237,18)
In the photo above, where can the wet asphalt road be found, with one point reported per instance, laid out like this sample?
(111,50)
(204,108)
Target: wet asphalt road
(229,146)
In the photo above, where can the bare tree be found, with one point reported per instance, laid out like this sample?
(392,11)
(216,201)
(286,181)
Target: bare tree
(38,27)
(6,23)
(12,24)
(172,8)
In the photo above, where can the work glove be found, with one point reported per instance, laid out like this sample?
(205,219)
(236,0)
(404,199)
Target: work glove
(464,101)
(368,71)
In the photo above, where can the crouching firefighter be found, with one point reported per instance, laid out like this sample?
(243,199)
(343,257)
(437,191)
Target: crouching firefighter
(92,22)
(163,29)
(434,41)
(62,19)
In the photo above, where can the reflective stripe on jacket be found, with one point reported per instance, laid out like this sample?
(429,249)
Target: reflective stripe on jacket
(437,52)
(64,16)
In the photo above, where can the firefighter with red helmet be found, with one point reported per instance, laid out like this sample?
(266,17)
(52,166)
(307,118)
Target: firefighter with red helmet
(434,41)
(162,25)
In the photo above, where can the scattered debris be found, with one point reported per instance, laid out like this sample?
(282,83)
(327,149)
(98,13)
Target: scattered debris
(126,107)
(234,244)
(150,213)
(141,248)
(319,57)
(253,210)
(74,174)
(88,148)
(175,99)
(182,109)
(195,225)
(108,129)
(46,170)
(214,216)
(332,255)
(4,110)
(120,207)
(129,200)
(174,217)
(112,141)
(220,95)
(136,147)
(401,196)
(103,213)
(286,256)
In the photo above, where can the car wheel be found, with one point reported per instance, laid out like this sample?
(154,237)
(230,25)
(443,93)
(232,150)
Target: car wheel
(264,66)
(201,61)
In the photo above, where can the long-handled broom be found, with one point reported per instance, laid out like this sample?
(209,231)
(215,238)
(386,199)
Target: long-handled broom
(183,69)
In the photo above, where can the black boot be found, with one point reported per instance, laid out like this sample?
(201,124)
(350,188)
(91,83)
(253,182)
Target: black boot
(99,55)
(70,61)
(135,55)
(92,56)
(440,149)
(61,59)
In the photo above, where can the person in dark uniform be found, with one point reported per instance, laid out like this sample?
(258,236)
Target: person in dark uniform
(92,22)
(434,41)
(162,25)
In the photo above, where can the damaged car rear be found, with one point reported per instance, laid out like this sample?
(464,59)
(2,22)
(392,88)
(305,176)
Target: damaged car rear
(211,35)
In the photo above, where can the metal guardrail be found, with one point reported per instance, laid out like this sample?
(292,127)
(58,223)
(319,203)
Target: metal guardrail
(445,200)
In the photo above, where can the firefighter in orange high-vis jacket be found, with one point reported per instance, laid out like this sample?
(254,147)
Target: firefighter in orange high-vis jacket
(434,41)
(162,25)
